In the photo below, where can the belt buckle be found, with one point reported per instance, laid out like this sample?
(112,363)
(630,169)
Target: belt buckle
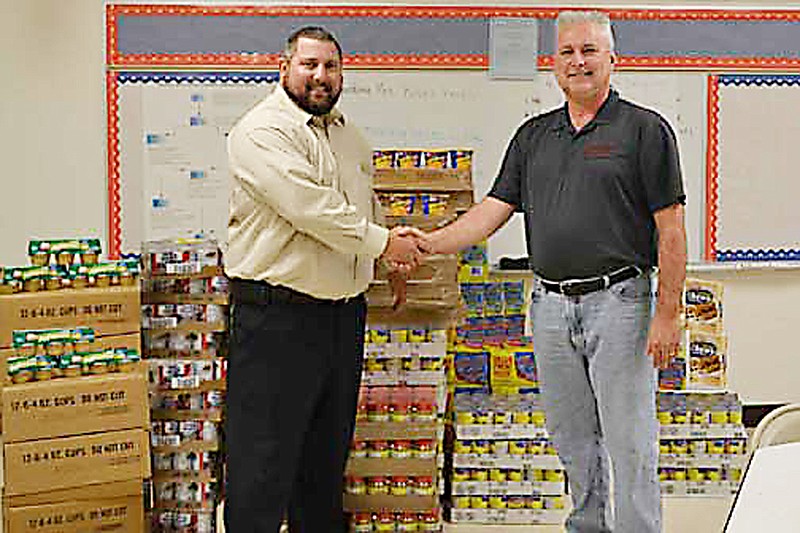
(564,286)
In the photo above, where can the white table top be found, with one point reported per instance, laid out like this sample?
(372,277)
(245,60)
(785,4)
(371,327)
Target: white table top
(769,497)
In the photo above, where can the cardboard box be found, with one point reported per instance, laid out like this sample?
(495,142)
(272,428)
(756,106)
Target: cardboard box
(372,502)
(428,179)
(52,464)
(509,516)
(412,466)
(413,315)
(94,508)
(396,431)
(434,284)
(93,491)
(109,311)
(75,406)
(407,208)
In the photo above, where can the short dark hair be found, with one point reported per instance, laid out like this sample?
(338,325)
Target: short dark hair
(317,33)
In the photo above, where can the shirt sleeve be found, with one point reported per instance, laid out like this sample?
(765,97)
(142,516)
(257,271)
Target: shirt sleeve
(507,185)
(660,165)
(270,164)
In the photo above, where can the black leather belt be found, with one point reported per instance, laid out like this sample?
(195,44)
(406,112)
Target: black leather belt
(248,291)
(579,287)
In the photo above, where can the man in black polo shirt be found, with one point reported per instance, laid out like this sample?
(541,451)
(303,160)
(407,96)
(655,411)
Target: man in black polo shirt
(600,184)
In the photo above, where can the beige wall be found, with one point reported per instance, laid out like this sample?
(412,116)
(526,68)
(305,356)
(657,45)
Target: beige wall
(52,112)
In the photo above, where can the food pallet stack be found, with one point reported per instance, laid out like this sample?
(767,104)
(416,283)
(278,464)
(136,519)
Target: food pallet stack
(504,468)
(185,301)
(495,304)
(703,443)
(74,396)
(394,477)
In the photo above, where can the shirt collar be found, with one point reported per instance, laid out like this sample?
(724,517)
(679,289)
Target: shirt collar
(603,116)
(333,117)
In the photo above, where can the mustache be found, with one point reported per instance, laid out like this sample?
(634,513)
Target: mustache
(326,86)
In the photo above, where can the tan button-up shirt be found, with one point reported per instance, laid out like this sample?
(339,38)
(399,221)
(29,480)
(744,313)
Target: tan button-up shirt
(301,201)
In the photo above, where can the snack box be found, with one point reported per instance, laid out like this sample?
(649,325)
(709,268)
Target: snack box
(109,311)
(97,508)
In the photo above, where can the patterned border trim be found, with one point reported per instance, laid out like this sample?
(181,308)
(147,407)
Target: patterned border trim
(115,59)
(114,204)
(197,77)
(271,60)
(448,12)
(759,79)
(781,254)
(707,62)
(113,81)
(338,11)
(712,167)
(712,170)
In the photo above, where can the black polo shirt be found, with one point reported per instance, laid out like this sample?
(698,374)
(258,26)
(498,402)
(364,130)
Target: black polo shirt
(589,195)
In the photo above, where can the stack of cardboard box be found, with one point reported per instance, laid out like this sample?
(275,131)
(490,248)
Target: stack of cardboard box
(185,300)
(703,442)
(74,405)
(394,477)
(425,189)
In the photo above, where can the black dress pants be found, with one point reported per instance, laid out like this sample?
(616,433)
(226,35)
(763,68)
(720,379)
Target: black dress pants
(293,377)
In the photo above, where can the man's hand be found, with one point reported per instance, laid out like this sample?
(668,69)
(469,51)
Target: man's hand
(405,249)
(397,281)
(663,339)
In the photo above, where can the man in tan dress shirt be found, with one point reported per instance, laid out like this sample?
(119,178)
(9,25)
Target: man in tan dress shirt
(301,251)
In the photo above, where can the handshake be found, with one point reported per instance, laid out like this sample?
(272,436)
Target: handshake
(404,251)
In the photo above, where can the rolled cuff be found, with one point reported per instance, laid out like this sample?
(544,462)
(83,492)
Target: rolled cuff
(375,240)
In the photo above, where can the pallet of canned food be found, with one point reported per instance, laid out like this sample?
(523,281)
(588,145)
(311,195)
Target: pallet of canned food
(74,398)
(184,323)
(394,474)
(425,189)
(703,443)
(504,468)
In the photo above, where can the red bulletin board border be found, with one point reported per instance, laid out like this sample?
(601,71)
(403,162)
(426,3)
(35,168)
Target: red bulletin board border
(712,169)
(243,61)
(112,154)
(117,59)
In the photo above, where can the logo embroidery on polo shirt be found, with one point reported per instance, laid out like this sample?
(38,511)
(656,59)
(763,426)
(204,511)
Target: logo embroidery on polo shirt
(593,150)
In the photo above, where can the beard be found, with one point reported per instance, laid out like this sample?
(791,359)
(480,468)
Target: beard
(317,107)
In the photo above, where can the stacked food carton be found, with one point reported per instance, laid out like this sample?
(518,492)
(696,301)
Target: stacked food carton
(495,304)
(703,442)
(394,476)
(504,468)
(185,300)
(74,396)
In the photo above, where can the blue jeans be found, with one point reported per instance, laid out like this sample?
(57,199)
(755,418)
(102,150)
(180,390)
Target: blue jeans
(598,390)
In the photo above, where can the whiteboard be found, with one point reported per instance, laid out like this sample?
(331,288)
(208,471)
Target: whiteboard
(173,168)
(434,109)
(395,109)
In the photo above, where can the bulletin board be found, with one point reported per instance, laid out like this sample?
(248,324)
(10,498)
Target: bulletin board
(169,164)
(415,77)
(754,185)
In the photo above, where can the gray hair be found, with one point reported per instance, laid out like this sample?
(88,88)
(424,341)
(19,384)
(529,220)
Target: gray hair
(601,19)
